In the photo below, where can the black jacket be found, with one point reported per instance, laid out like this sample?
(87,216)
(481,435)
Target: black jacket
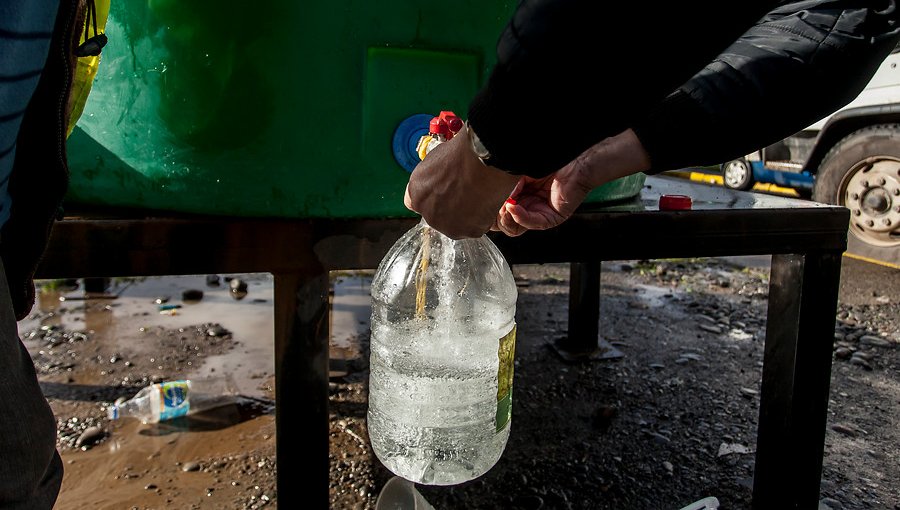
(699,82)
(39,177)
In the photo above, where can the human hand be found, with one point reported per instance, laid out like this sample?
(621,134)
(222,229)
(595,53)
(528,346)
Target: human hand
(455,193)
(539,204)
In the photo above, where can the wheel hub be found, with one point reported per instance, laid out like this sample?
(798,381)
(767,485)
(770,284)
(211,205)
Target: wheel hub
(876,201)
(735,174)
(872,193)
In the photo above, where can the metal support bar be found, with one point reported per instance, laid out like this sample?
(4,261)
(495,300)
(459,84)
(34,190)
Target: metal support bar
(583,341)
(301,389)
(803,294)
(584,309)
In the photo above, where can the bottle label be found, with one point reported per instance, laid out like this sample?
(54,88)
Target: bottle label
(173,400)
(506,353)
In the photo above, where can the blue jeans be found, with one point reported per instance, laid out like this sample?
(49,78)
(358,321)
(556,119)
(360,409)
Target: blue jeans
(30,468)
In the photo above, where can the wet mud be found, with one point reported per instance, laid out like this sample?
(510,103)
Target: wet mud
(671,420)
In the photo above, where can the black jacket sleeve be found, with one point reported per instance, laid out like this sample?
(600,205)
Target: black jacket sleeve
(570,73)
(801,62)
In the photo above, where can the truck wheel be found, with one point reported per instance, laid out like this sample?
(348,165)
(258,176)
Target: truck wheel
(737,174)
(862,173)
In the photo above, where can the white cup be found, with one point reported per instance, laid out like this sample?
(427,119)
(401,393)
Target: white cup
(401,494)
(710,503)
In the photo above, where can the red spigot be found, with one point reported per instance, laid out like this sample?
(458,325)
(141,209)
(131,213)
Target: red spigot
(438,126)
(454,123)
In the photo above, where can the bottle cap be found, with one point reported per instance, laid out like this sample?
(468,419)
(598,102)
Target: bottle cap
(454,123)
(675,203)
(438,126)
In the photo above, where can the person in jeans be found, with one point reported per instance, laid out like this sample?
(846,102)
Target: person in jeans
(37,61)
(585,92)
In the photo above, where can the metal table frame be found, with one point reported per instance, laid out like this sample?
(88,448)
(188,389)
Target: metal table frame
(805,239)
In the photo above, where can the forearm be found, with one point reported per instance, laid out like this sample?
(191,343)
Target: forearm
(615,157)
(799,64)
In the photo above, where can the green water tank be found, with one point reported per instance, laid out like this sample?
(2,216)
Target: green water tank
(276,109)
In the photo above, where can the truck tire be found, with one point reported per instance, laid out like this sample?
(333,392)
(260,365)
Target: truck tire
(737,174)
(862,172)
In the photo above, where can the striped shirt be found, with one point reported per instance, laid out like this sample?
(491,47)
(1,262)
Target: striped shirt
(25,30)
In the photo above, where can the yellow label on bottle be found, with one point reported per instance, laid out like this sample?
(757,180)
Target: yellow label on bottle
(506,353)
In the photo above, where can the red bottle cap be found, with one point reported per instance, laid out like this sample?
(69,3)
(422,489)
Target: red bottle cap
(438,126)
(454,123)
(675,203)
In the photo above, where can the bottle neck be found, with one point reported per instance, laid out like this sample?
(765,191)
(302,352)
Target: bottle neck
(123,410)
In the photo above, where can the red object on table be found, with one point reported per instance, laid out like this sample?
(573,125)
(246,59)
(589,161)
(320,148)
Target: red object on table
(675,203)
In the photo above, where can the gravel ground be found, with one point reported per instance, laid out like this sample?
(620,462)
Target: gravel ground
(674,419)
(669,422)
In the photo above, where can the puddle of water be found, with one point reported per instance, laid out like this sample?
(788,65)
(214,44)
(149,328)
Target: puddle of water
(141,465)
(236,410)
(351,311)
(655,297)
(117,323)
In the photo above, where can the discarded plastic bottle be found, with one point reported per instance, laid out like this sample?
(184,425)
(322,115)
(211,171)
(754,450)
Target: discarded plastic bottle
(171,399)
(441,361)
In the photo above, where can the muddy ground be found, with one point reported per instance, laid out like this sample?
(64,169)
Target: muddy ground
(672,420)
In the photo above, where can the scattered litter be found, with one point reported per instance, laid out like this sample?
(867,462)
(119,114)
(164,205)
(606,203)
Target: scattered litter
(238,288)
(217,330)
(729,448)
(740,334)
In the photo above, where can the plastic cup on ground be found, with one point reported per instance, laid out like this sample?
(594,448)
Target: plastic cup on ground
(710,503)
(401,494)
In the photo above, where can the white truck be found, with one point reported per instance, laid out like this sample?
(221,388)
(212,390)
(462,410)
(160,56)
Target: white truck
(849,158)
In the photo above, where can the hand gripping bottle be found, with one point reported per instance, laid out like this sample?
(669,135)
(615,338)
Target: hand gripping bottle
(441,365)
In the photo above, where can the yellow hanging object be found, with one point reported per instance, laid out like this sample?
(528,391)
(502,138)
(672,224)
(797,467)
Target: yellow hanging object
(86,68)
(422,147)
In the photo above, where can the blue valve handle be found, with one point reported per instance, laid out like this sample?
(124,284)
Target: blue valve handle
(406,137)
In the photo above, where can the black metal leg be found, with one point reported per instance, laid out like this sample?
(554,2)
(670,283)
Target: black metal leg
(803,294)
(96,285)
(583,341)
(301,389)
(584,308)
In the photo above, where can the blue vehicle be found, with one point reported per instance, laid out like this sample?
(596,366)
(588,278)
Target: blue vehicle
(744,173)
(850,158)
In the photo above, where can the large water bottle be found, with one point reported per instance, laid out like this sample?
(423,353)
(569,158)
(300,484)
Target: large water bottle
(441,365)
(172,399)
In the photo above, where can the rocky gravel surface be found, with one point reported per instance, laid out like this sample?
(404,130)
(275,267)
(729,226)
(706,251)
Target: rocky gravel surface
(668,419)
(672,420)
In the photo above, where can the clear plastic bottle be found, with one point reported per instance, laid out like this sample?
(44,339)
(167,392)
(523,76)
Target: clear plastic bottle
(441,365)
(171,399)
